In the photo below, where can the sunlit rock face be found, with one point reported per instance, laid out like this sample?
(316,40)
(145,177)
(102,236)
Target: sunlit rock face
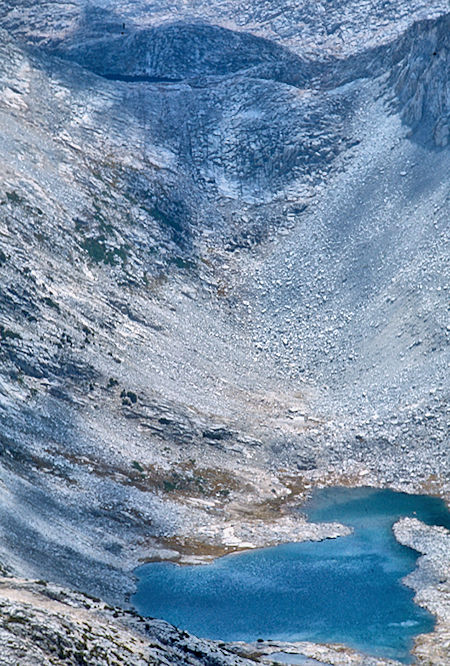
(223,267)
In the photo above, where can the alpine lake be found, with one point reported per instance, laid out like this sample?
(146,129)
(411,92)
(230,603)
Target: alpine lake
(346,590)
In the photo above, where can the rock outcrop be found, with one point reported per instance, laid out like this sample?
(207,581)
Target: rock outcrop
(431,582)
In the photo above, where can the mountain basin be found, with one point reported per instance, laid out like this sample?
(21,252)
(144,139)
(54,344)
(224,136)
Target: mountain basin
(345,590)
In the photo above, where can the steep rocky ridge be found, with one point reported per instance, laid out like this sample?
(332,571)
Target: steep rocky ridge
(313,27)
(421,82)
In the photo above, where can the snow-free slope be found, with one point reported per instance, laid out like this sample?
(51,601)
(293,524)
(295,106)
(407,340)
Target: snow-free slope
(224,266)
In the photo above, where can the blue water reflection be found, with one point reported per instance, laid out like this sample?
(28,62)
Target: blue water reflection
(345,590)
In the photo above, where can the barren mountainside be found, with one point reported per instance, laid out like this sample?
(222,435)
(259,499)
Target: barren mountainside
(224,276)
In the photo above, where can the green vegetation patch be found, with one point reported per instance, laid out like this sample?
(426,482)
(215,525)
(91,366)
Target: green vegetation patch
(51,303)
(6,333)
(128,397)
(183,264)
(101,253)
(166,220)
(14,198)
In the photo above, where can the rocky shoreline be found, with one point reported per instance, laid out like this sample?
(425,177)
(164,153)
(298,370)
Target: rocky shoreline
(431,582)
(43,623)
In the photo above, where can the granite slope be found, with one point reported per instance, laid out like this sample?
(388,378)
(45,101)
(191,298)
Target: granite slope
(224,279)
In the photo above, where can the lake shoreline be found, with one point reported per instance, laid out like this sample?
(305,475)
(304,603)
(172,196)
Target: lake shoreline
(352,509)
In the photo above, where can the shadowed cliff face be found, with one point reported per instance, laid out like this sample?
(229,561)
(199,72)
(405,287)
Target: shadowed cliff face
(181,51)
(223,260)
(420,79)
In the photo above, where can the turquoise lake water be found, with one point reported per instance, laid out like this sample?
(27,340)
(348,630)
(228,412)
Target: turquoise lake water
(344,590)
